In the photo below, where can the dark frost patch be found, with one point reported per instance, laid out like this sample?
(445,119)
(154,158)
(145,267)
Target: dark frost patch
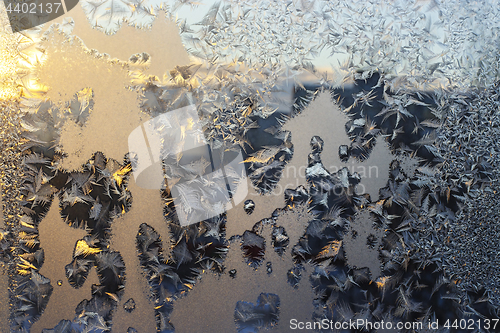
(280,239)
(254,248)
(294,275)
(198,247)
(263,315)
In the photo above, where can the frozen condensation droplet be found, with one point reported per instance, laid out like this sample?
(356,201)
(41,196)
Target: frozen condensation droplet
(269,267)
(249,206)
(129,305)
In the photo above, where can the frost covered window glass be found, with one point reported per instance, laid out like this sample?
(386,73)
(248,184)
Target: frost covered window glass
(243,166)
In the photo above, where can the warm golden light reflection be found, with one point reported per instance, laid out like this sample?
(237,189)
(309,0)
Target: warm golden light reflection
(8,64)
(8,68)
(83,248)
(30,57)
(19,57)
